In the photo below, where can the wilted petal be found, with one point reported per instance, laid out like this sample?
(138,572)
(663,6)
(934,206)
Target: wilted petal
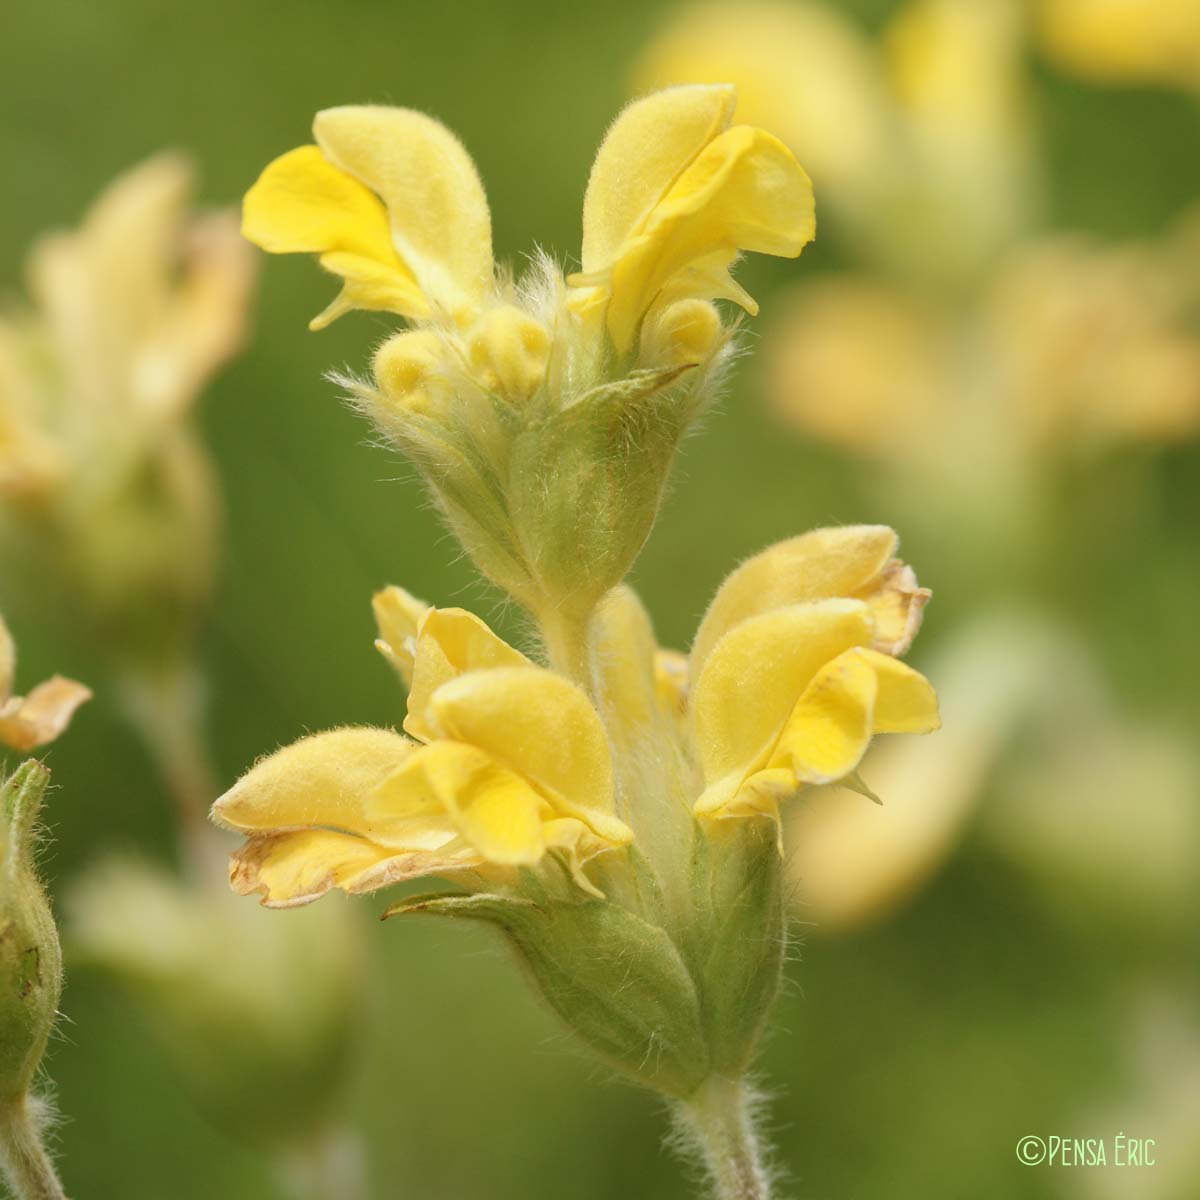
(289,869)
(38,719)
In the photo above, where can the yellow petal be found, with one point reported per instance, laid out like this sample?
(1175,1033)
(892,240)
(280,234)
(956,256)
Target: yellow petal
(494,810)
(906,701)
(644,152)
(578,844)
(288,869)
(829,730)
(322,780)
(398,617)
(369,285)
(744,191)
(752,680)
(436,207)
(624,649)
(39,718)
(822,564)
(542,727)
(451,642)
(302,203)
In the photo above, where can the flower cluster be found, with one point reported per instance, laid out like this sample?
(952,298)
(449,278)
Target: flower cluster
(612,806)
(526,403)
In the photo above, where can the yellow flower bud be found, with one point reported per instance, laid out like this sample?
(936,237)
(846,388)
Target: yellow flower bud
(407,366)
(509,349)
(684,333)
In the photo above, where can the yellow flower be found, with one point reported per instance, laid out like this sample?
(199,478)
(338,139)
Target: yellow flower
(27,722)
(675,193)
(794,669)
(510,762)
(919,146)
(390,201)
(544,413)
(1125,41)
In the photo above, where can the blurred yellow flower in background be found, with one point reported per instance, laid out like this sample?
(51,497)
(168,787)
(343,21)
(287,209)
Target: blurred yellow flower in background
(101,478)
(921,148)
(1074,346)
(1124,41)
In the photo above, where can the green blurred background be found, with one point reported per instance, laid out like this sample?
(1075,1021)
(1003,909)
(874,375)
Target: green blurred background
(908,1060)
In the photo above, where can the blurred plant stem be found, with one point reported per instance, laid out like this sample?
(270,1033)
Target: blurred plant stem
(27,1167)
(328,1167)
(166,707)
(718,1122)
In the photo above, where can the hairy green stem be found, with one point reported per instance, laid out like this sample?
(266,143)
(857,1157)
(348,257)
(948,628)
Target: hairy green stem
(718,1121)
(27,1166)
(566,641)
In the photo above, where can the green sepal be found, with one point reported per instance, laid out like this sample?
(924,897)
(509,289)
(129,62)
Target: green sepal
(616,980)
(30,956)
(739,868)
(586,482)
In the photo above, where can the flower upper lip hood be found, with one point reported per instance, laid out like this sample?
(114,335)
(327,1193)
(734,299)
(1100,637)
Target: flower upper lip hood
(675,194)
(390,201)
